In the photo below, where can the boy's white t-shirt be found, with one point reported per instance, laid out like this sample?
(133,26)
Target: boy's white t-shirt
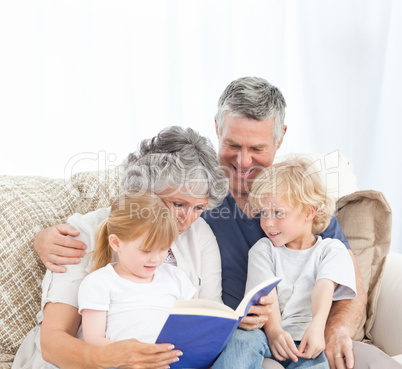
(299,271)
(134,310)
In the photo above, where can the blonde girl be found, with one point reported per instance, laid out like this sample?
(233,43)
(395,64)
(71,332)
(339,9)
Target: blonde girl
(131,289)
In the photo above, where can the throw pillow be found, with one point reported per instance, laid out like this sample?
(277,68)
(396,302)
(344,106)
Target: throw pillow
(366,219)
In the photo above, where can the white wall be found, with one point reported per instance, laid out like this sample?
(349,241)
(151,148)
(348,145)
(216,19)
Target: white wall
(82,82)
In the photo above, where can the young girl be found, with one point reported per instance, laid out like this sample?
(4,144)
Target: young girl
(131,298)
(293,206)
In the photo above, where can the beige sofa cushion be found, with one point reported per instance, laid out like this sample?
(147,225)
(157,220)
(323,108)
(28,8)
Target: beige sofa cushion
(365,218)
(27,205)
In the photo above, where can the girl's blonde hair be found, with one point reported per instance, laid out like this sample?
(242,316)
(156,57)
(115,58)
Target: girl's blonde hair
(133,214)
(299,185)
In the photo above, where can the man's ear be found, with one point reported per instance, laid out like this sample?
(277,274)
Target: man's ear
(283,135)
(216,129)
(114,242)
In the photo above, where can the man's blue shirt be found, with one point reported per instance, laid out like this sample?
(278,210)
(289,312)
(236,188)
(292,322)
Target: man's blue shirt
(236,233)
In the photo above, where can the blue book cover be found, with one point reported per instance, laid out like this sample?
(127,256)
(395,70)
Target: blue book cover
(201,328)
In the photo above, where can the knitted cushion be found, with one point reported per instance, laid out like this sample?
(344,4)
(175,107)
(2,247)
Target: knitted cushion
(97,189)
(366,219)
(27,204)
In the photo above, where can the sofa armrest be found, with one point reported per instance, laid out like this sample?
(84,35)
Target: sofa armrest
(387,328)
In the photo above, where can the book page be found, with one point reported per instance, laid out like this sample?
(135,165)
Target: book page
(203,307)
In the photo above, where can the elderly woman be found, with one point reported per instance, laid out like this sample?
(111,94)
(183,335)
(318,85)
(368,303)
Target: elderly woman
(182,168)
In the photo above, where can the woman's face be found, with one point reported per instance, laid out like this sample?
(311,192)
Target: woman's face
(186,208)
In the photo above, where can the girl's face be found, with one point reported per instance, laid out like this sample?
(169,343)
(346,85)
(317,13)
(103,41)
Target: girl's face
(186,208)
(287,225)
(136,264)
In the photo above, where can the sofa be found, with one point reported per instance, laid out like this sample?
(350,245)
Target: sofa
(28,204)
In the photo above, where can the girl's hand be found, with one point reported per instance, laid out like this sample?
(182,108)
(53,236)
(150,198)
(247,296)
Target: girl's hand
(132,354)
(282,345)
(313,341)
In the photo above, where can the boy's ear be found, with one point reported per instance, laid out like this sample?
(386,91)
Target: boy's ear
(311,211)
(114,242)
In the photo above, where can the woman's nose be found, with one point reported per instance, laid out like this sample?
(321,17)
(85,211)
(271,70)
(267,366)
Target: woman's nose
(187,217)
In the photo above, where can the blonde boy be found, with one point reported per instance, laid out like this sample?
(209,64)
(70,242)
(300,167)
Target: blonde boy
(293,207)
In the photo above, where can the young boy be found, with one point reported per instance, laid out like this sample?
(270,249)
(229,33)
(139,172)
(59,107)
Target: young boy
(294,206)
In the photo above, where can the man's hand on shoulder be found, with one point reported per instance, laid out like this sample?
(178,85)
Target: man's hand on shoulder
(55,248)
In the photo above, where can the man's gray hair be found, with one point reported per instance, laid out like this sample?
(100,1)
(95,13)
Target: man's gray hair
(179,159)
(253,98)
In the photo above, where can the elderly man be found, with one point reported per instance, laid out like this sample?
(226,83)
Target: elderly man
(250,128)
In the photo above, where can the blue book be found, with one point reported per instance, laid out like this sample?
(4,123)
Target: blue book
(201,328)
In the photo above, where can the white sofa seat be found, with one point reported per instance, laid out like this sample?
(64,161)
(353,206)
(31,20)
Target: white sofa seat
(387,327)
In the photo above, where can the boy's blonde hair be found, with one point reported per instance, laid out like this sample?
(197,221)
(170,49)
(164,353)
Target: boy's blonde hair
(133,214)
(299,185)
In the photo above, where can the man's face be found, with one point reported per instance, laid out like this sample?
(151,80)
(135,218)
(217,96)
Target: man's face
(245,147)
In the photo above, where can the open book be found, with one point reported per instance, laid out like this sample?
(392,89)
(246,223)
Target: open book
(201,328)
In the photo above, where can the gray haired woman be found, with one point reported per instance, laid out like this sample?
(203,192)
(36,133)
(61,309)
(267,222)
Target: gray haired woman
(182,168)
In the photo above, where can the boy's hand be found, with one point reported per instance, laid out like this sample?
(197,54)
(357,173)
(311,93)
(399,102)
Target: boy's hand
(258,314)
(282,345)
(313,341)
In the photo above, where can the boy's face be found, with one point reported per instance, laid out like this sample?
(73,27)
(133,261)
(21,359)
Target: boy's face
(286,225)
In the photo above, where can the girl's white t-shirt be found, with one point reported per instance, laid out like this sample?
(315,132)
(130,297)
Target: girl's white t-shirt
(196,252)
(134,310)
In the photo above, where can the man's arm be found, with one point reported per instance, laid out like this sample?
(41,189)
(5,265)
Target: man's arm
(61,347)
(343,322)
(55,248)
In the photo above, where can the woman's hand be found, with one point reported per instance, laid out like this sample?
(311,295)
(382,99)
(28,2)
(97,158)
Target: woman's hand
(55,248)
(258,314)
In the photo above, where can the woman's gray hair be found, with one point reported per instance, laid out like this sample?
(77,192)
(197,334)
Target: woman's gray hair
(253,98)
(179,159)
